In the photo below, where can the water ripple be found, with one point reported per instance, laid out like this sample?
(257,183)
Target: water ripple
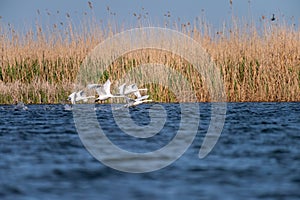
(256,157)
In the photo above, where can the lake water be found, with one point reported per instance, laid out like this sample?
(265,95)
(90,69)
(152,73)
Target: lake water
(256,157)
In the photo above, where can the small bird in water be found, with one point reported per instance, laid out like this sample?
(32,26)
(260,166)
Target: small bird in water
(20,106)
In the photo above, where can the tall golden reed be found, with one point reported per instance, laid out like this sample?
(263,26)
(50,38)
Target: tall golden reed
(257,62)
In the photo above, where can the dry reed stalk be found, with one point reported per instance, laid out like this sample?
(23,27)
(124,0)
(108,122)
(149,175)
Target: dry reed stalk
(41,65)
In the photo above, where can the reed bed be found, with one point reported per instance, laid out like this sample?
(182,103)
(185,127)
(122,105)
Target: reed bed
(257,62)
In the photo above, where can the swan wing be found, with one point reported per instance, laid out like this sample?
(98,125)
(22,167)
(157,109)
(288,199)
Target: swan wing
(106,87)
(137,94)
(122,89)
(81,94)
(93,86)
(100,91)
(130,89)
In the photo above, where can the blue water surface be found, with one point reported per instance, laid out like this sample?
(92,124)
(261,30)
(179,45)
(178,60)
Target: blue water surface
(256,157)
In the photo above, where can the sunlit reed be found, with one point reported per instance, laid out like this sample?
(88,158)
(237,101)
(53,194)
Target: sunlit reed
(258,62)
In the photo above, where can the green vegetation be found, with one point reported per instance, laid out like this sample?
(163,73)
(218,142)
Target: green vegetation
(257,64)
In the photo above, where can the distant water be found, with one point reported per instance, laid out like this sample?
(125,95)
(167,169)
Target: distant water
(256,157)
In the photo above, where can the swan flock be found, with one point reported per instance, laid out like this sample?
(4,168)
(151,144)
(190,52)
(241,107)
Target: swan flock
(103,93)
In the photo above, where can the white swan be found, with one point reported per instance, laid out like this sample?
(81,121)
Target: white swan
(138,95)
(78,96)
(20,106)
(102,90)
(126,90)
(138,101)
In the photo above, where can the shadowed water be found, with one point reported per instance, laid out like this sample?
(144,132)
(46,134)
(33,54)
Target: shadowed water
(256,157)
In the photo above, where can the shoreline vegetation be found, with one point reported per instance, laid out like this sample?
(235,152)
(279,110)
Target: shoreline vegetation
(258,62)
